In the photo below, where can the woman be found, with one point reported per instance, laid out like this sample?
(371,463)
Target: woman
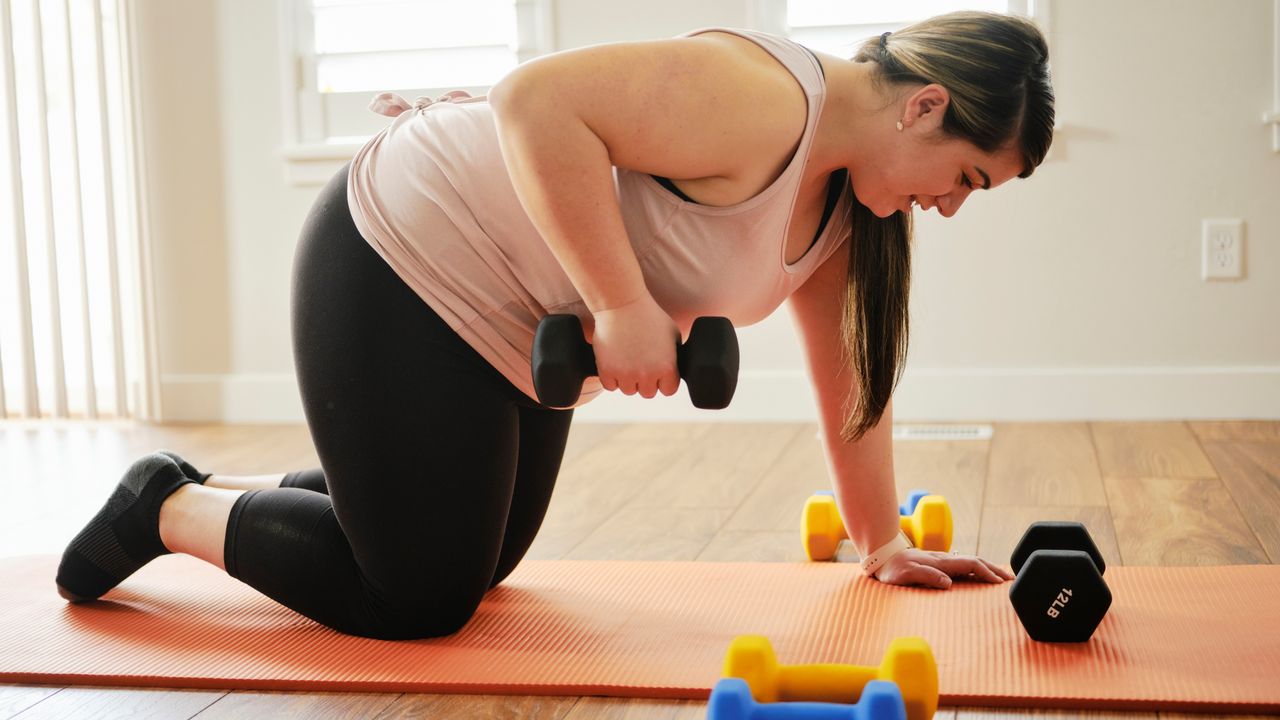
(638,186)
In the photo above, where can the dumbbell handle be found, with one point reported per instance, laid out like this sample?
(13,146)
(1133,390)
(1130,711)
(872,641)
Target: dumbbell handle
(908,663)
(731,700)
(711,391)
(584,357)
(822,682)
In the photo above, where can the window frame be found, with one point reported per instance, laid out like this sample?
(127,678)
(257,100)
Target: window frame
(310,157)
(771,16)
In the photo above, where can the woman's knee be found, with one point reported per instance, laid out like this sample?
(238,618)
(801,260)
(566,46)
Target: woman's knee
(512,554)
(419,620)
(411,600)
(422,596)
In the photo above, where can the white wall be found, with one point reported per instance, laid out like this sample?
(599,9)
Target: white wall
(1074,294)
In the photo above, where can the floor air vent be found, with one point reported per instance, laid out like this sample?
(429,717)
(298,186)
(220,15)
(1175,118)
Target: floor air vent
(942,432)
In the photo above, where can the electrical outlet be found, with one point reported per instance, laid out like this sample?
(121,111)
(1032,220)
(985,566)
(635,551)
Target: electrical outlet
(1222,255)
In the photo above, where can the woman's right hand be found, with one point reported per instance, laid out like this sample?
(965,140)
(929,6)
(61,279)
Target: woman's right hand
(935,569)
(635,348)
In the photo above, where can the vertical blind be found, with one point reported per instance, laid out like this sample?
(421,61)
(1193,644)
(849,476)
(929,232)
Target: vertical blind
(69,329)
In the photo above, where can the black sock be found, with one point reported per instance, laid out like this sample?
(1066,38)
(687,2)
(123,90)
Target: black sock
(124,535)
(187,468)
(312,479)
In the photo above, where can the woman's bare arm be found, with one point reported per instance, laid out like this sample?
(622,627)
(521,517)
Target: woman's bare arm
(680,108)
(861,471)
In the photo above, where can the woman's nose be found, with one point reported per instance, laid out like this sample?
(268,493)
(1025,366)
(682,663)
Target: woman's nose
(949,205)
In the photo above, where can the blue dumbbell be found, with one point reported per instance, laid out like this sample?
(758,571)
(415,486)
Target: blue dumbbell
(912,500)
(731,700)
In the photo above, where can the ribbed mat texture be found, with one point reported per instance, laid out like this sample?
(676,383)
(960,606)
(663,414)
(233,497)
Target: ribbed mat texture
(1193,639)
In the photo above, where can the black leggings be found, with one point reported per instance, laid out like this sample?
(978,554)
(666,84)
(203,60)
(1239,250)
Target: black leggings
(438,469)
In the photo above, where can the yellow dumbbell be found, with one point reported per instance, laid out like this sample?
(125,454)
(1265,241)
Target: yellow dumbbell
(926,519)
(908,662)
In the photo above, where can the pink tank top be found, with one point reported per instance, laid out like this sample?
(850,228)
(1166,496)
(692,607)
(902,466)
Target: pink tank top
(430,193)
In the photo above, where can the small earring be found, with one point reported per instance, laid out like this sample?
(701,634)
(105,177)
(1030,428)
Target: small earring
(899,126)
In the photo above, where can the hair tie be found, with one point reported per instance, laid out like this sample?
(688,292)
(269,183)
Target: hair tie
(884,41)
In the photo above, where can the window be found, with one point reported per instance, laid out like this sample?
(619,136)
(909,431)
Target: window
(337,54)
(839,26)
(363,45)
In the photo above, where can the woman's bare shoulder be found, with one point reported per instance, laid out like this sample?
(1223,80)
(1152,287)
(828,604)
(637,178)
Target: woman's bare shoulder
(710,105)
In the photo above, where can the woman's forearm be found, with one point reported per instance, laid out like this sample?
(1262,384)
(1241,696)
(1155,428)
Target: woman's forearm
(862,476)
(862,471)
(563,176)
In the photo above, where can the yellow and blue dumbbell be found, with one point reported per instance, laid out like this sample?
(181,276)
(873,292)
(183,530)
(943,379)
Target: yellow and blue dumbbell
(925,518)
(908,663)
(731,700)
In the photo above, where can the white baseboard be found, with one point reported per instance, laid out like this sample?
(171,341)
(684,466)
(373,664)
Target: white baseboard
(925,395)
(1075,394)
(256,398)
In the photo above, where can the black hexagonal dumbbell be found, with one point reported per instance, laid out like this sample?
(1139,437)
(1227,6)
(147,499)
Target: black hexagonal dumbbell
(1059,593)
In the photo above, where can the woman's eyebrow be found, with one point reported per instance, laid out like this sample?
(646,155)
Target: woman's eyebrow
(985,177)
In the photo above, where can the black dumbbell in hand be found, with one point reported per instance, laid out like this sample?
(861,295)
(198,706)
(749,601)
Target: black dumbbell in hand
(563,359)
(1059,594)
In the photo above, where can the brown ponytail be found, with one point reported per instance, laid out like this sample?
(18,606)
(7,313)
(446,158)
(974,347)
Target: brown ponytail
(995,68)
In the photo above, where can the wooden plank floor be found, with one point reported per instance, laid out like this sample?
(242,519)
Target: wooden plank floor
(1174,493)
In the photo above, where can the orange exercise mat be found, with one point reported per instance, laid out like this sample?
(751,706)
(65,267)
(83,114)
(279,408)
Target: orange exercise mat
(1198,639)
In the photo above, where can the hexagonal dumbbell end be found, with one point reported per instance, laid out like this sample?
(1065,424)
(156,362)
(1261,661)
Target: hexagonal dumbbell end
(909,663)
(1060,596)
(881,700)
(929,523)
(1056,535)
(731,700)
(821,528)
(751,659)
(708,362)
(913,499)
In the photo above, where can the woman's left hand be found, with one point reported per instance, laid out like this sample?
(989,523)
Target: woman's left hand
(936,569)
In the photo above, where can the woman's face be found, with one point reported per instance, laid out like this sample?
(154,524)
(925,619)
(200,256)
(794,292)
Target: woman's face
(918,166)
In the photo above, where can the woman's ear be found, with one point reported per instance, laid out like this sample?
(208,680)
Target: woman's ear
(926,107)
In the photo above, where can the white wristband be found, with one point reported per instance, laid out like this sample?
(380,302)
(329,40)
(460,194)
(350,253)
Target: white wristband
(872,562)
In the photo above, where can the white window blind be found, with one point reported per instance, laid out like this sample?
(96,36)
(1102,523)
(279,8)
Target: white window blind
(71,330)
